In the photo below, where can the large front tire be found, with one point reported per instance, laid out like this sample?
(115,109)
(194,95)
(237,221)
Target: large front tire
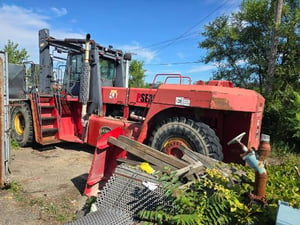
(21,125)
(182,131)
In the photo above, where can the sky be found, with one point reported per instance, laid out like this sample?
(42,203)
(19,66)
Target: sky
(164,34)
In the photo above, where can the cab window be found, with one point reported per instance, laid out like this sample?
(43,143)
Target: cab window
(107,69)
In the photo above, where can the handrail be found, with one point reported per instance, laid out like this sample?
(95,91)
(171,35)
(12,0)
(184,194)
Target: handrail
(172,75)
(181,78)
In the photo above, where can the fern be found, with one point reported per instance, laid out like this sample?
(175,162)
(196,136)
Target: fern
(186,219)
(211,200)
(216,209)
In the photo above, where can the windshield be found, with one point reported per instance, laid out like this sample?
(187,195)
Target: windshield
(107,69)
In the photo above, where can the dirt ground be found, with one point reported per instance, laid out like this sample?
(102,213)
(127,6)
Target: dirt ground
(45,185)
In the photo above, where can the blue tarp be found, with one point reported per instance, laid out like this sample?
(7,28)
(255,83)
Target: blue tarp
(287,215)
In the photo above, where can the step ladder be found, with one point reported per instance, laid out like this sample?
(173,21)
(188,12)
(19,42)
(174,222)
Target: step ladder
(46,115)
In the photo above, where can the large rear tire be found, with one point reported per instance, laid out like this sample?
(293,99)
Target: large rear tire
(177,131)
(21,125)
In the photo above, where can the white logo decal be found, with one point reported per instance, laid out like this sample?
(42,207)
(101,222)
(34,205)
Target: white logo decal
(113,94)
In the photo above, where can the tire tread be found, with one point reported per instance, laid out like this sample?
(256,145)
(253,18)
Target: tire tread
(187,127)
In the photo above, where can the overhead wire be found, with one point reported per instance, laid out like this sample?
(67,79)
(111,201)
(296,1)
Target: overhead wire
(171,63)
(184,36)
(186,33)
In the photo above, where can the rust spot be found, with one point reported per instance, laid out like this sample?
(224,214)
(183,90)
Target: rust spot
(220,103)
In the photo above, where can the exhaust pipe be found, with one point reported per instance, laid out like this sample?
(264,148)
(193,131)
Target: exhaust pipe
(85,82)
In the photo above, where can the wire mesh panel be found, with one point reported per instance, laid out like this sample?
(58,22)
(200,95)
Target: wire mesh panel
(107,216)
(125,191)
(124,195)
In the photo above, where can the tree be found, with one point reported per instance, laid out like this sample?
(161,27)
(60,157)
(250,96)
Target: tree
(137,74)
(15,55)
(239,45)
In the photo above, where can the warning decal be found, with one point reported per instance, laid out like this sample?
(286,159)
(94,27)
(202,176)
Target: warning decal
(183,101)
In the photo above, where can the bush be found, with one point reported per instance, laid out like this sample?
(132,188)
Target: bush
(215,199)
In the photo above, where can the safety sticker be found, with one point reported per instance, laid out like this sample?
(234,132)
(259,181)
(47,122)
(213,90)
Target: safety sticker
(113,94)
(183,101)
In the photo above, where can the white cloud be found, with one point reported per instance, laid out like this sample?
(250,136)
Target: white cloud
(142,53)
(201,68)
(59,12)
(15,15)
(21,25)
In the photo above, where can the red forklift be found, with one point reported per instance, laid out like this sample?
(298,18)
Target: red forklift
(79,92)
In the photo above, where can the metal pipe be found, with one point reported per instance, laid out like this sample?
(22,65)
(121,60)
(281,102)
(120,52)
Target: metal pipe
(260,184)
(126,73)
(87,49)
(136,117)
(257,164)
(253,162)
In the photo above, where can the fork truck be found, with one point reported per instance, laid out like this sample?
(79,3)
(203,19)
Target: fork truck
(79,92)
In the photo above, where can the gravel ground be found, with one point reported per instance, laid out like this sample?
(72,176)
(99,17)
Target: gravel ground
(45,185)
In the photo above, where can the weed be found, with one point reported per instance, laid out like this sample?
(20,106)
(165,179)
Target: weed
(87,206)
(19,197)
(61,211)
(14,144)
(60,218)
(38,202)
(14,187)
(212,199)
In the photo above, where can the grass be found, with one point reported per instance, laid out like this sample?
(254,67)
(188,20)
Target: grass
(16,189)
(14,144)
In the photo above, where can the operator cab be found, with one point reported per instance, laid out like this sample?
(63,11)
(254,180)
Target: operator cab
(107,66)
(111,69)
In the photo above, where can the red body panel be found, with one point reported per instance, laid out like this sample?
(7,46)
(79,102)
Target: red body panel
(98,124)
(141,96)
(210,97)
(114,95)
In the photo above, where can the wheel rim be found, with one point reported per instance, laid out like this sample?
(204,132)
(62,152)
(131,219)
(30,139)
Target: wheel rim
(171,146)
(19,124)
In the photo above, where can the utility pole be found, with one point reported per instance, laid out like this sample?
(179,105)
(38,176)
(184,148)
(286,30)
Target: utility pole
(273,50)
